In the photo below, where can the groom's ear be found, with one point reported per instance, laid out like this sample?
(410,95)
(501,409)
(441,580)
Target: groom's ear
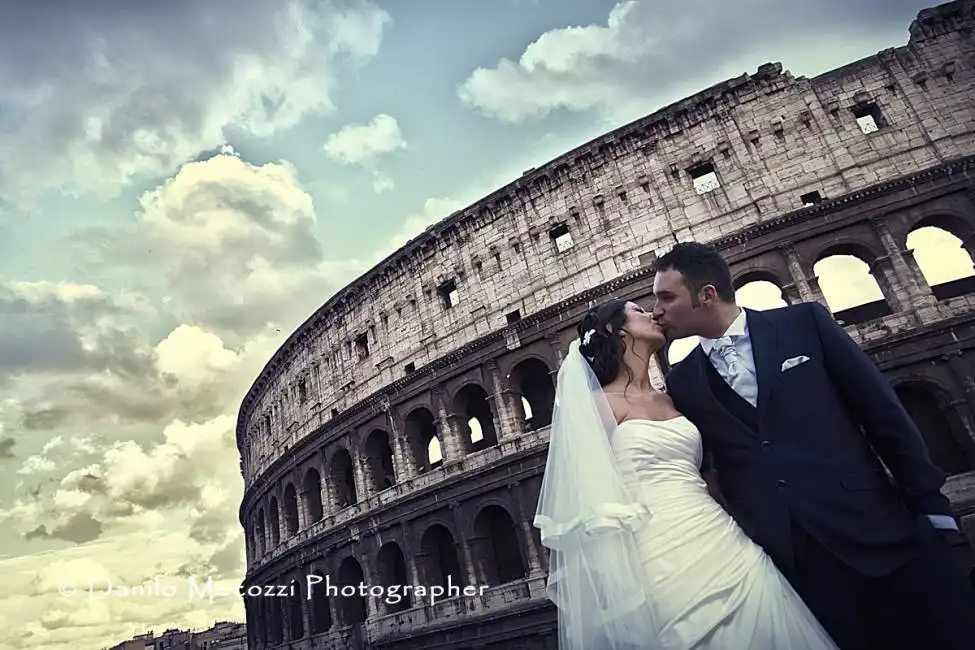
(708,294)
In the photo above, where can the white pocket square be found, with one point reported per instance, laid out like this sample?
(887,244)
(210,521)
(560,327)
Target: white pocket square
(793,362)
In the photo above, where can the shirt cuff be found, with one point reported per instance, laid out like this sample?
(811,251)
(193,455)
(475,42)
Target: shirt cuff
(943,521)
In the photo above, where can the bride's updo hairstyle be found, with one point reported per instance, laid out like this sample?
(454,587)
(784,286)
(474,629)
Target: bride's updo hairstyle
(600,341)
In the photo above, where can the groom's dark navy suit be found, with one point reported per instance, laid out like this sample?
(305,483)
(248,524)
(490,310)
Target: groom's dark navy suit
(801,472)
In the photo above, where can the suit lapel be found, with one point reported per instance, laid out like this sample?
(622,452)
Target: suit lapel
(764,336)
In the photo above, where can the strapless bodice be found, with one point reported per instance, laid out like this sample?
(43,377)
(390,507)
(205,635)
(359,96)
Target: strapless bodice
(650,452)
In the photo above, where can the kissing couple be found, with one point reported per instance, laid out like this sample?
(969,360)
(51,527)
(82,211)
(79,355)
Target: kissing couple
(804,541)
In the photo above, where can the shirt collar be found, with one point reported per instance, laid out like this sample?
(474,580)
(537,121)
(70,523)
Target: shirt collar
(738,327)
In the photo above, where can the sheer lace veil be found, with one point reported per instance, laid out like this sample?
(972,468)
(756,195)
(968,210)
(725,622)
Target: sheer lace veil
(586,518)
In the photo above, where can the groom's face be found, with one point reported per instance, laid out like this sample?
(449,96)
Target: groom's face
(677,310)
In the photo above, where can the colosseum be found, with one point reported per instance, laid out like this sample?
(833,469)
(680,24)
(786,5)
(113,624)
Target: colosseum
(399,436)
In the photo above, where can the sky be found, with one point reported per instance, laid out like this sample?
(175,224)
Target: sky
(182,183)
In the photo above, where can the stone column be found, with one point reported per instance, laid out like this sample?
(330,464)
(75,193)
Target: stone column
(452,447)
(463,546)
(362,484)
(369,578)
(304,517)
(802,288)
(882,269)
(508,423)
(963,379)
(306,613)
(526,532)
(907,280)
(411,552)
(403,462)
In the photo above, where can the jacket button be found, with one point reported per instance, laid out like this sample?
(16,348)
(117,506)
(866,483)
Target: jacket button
(781,483)
(766,444)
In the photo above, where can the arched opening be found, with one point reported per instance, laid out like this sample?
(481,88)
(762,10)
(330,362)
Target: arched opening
(261,533)
(312,485)
(678,349)
(760,290)
(342,476)
(295,614)
(943,432)
(438,557)
(290,510)
(275,523)
(497,547)
(352,608)
(321,614)
(394,577)
(472,405)
(938,246)
(533,380)
(854,294)
(379,461)
(423,442)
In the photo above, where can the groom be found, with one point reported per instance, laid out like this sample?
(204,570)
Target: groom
(797,422)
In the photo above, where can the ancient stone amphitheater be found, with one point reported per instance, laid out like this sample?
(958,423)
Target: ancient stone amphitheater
(399,436)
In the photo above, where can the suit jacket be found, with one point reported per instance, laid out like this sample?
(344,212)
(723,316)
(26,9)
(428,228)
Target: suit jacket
(811,450)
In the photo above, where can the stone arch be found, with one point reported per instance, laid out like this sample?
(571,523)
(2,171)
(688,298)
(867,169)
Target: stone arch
(342,478)
(351,608)
(496,546)
(438,557)
(856,291)
(532,379)
(312,485)
(475,414)
(320,612)
(943,248)
(275,522)
(380,472)
(261,533)
(929,405)
(394,576)
(291,523)
(423,444)
(760,288)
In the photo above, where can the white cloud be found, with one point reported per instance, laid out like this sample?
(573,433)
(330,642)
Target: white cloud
(97,613)
(94,98)
(365,144)
(193,356)
(649,53)
(36,464)
(235,245)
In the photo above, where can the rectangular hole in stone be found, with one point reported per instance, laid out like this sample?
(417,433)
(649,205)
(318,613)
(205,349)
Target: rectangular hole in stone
(868,117)
(562,237)
(705,178)
(810,198)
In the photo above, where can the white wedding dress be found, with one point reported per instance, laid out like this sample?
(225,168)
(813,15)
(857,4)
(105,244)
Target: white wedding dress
(712,587)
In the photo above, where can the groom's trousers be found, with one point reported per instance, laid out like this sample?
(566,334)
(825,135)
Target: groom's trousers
(927,604)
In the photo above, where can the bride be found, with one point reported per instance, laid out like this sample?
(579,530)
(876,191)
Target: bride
(641,556)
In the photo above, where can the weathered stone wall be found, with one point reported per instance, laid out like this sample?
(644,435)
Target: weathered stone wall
(771,140)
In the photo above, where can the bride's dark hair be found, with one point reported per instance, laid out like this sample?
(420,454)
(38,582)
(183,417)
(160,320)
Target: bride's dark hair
(604,348)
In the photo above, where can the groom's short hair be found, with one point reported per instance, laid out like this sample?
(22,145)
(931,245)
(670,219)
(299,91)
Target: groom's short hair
(701,265)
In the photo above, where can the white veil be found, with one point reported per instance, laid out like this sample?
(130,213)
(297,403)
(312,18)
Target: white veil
(587,518)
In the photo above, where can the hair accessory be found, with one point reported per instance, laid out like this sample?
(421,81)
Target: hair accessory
(587,336)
